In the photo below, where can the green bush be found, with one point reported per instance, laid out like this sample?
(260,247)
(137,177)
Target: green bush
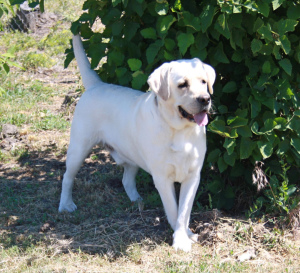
(254,47)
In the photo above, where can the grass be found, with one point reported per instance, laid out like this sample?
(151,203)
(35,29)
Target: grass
(107,233)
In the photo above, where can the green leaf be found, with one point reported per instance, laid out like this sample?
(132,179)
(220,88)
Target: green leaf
(266,68)
(138,80)
(153,50)
(138,7)
(222,109)
(217,126)
(213,156)
(130,29)
(266,32)
(165,23)
(266,148)
(294,124)
(263,8)
(280,123)
(285,44)
(6,68)
(229,158)
(277,3)
(185,40)
(170,44)
(177,5)
(149,33)
(219,55)
(117,27)
(134,64)
(162,8)
(286,25)
(286,65)
(243,113)
(85,31)
(258,24)
(120,71)
(222,26)
(232,132)
(229,145)
(244,131)
(42,5)
(207,17)
(297,113)
(168,56)
(235,122)
(246,147)
(269,125)
(295,142)
(255,107)
(222,165)
(256,45)
(115,57)
(294,12)
(283,147)
(97,52)
(229,87)
(237,56)
(115,2)
(215,186)
(189,20)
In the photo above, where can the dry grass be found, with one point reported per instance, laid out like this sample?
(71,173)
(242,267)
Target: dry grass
(108,233)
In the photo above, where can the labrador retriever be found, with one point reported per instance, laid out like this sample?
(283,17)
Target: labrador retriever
(161,131)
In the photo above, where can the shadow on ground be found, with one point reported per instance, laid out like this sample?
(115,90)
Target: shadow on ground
(105,222)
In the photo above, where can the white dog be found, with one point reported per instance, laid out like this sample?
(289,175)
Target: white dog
(162,132)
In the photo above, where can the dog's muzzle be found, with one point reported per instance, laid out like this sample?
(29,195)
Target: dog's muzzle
(200,118)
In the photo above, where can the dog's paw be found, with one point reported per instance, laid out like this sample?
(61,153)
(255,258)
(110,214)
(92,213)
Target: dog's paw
(192,236)
(181,241)
(70,207)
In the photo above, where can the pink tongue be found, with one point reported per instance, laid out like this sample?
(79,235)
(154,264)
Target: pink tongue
(201,119)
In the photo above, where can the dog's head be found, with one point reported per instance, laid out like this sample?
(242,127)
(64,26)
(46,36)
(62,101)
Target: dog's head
(185,87)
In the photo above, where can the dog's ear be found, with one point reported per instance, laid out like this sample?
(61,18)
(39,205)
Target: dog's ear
(159,81)
(211,75)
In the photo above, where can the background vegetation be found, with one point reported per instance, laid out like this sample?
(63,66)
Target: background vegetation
(254,47)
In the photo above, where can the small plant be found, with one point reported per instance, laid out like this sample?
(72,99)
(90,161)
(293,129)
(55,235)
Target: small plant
(278,198)
(35,60)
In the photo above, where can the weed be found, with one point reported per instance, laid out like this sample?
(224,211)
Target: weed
(35,60)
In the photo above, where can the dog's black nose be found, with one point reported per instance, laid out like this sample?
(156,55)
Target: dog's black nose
(204,100)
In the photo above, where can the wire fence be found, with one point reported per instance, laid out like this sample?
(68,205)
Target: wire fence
(27,19)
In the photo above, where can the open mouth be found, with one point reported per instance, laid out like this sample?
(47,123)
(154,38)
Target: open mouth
(201,118)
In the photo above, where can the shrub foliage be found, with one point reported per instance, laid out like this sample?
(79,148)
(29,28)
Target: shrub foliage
(254,47)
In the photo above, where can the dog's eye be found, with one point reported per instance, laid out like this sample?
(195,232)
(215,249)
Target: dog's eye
(185,84)
(203,81)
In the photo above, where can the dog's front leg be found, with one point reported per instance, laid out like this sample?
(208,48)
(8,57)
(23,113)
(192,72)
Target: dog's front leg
(167,194)
(182,237)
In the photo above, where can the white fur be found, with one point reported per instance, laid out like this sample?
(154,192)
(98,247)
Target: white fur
(144,130)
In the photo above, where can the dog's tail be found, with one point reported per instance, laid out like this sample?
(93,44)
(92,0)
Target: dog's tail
(89,76)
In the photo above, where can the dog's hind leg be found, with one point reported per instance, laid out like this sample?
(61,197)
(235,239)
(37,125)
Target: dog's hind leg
(129,182)
(75,157)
